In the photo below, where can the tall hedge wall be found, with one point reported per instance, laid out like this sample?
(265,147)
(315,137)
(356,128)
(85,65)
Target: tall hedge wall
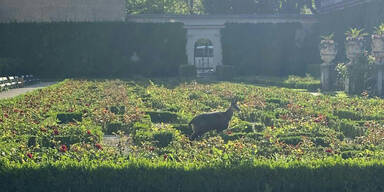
(268,49)
(91,49)
(52,50)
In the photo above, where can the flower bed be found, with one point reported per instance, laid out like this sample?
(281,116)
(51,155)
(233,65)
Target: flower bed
(278,132)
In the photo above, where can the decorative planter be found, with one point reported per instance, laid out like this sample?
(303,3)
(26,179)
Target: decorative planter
(378,47)
(353,47)
(328,52)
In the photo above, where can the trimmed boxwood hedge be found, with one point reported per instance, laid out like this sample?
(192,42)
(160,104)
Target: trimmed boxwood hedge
(163,117)
(69,117)
(332,175)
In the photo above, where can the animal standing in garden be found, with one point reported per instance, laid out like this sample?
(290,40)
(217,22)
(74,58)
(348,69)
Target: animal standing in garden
(218,121)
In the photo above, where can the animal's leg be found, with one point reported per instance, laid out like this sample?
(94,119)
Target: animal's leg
(193,136)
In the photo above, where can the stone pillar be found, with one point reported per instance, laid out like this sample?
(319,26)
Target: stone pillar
(378,53)
(328,53)
(326,76)
(190,47)
(354,48)
(217,49)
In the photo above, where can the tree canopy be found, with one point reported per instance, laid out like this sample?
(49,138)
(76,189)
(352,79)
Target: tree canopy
(219,6)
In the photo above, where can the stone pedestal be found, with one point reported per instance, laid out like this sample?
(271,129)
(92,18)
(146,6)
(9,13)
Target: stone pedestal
(378,53)
(327,77)
(353,49)
(380,79)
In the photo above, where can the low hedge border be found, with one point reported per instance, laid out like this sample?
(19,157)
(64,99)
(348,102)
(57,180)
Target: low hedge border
(144,175)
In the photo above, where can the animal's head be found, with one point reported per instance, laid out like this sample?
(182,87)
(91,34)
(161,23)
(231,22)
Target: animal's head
(234,105)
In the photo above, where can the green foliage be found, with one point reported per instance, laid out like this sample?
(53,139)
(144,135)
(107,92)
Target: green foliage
(160,48)
(252,7)
(68,117)
(145,123)
(183,128)
(142,135)
(242,126)
(281,102)
(163,117)
(225,72)
(118,110)
(308,82)
(292,140)
(163,138)
(329,174)
(115,127)
(163,7)
(379,30)
(355,33)
(328,37)
(279,132)
(94,50)
(344,114)
(185,7)
(360,74)
(11,66)
(187,71)
(351,129)
(267,49)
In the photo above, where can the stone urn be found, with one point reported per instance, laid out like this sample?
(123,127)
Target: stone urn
(378,47)
(328,52)
(354,47)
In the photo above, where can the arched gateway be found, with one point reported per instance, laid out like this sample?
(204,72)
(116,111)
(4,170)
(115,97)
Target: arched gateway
(209,27)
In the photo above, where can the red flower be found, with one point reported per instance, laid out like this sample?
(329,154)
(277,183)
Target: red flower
(29,155)
(328,150)
(105,111)
(89,132)
(16,110)
(229,132)
(55,132)
(6,115)
(165,156)
(63,148)
(87,104)
(98,146)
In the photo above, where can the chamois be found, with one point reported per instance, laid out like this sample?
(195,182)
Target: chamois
(212,121)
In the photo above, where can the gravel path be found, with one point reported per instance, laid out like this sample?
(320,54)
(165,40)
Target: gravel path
(18,91)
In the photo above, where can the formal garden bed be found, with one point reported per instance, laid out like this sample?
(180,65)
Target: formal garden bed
(281,140)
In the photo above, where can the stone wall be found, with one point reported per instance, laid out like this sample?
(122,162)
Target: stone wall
(61,10)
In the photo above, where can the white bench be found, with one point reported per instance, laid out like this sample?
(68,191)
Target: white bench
(16,81)
(3,83)
(12,82)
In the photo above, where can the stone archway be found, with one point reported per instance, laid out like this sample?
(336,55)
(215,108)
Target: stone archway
(207,32)
(204,57)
